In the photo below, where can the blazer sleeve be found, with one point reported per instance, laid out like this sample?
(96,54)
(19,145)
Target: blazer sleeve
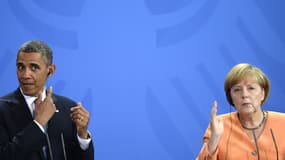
(204,153)
(25,141)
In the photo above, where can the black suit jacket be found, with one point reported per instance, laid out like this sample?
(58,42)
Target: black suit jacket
(22,139)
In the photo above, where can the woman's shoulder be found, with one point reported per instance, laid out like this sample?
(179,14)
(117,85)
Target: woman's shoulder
(229,115)
(276,115)
(271,114)
(275,120)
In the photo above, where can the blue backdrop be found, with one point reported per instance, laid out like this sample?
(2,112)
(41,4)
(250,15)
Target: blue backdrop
(147,70)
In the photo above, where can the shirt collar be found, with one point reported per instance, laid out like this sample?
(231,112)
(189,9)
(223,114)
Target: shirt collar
(30,99)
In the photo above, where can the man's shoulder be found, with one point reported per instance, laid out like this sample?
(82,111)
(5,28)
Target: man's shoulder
(10,100)
(63,100)
(10,97)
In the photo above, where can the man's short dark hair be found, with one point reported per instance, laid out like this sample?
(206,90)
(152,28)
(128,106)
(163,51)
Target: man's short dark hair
(38,47)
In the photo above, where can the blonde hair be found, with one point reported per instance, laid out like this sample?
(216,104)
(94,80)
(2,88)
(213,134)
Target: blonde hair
(238,72)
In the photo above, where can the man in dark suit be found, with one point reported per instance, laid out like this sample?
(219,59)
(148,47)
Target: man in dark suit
(36,124)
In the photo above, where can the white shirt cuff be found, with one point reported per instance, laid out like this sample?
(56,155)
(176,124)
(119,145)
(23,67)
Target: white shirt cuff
(40,126)
(84,143)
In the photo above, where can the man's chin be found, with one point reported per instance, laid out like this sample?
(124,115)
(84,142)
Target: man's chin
(29,92)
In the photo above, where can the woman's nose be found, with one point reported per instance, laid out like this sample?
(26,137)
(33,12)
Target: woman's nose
(244,93)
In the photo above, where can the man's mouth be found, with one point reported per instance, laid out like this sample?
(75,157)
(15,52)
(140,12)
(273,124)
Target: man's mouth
(27,84)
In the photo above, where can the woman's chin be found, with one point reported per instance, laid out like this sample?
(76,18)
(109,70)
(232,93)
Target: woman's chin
(247,110)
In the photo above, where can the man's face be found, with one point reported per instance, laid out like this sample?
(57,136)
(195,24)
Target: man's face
(32,73)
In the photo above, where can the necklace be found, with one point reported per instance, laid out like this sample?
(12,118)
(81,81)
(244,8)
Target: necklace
(258,126)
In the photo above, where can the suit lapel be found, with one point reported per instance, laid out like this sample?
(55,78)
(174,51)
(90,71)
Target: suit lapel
(55,129)
(19,109)
(20,115)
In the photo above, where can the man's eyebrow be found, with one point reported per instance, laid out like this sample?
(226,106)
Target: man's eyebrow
(18,63)
(34,63)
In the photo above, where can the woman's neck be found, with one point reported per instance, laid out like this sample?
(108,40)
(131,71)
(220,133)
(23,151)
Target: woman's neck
(252,121)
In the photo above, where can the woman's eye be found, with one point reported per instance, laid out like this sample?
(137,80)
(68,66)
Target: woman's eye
(236,89)
(251,88)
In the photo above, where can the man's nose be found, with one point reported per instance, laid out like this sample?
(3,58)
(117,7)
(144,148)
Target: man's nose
(26,73)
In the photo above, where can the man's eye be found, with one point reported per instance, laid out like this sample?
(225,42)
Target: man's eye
(20,67)
(34,67)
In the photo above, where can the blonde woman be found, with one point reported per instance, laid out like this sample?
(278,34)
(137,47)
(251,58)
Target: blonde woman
(250,132)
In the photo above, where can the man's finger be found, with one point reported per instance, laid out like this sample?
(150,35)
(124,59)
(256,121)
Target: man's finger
(49,92)
(39,99)
(78,106)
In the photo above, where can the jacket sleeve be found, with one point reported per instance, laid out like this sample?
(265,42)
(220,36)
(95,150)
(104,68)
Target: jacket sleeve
(204,152)
(77,153)
(73,149)
(26,141)
(86,154)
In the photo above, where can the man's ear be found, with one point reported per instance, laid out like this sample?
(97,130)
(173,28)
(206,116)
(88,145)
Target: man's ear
(51,70)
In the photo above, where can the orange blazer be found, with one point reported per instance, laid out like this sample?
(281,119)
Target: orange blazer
(235,144)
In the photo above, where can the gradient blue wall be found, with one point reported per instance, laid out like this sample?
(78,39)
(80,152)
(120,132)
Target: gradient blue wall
(147,70)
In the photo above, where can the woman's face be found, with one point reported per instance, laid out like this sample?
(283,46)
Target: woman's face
(247,95)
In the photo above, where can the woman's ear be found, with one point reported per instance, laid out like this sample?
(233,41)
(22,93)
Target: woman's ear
(229,98)
(263,94)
